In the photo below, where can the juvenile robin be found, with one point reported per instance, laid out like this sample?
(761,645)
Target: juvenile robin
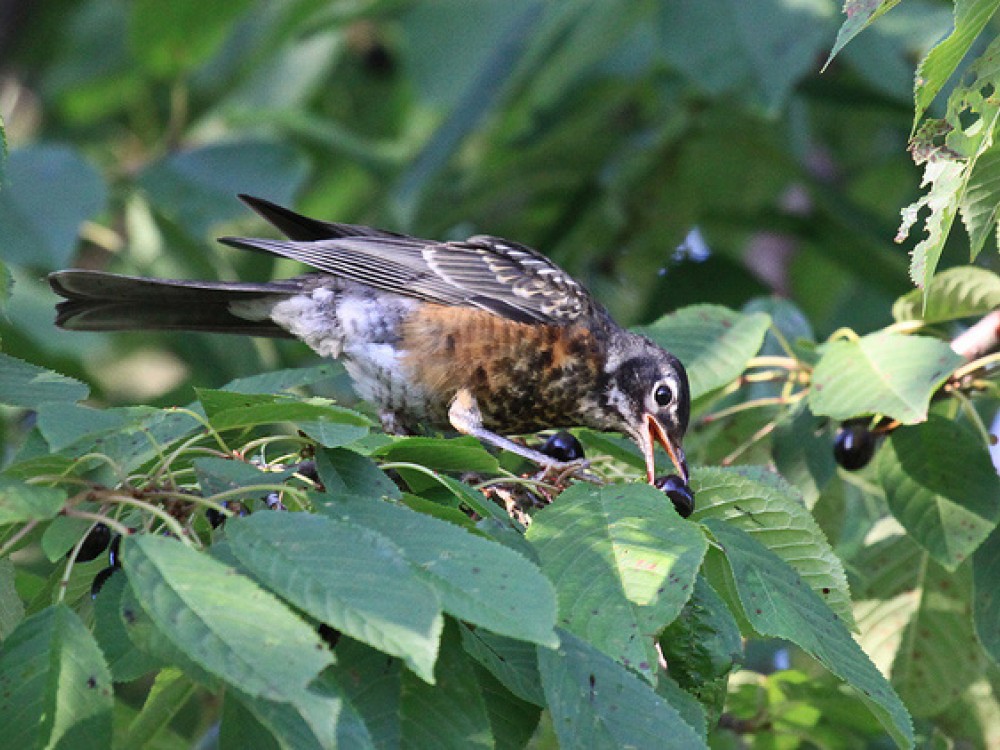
(486,335)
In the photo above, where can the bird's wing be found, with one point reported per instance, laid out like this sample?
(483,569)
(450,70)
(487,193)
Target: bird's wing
(503,277)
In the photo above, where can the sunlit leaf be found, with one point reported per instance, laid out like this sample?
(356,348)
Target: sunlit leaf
(860,15)
(28,385)
(882,373)
(954,293)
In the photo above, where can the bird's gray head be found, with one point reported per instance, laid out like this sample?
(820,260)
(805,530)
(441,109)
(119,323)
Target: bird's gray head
(647,397)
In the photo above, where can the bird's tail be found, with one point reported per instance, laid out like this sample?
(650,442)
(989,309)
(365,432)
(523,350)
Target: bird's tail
(98,301)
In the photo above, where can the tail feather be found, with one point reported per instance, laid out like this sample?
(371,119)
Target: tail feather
(97,301)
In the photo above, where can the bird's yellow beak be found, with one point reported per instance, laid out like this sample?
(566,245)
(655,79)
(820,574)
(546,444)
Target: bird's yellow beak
(655,433)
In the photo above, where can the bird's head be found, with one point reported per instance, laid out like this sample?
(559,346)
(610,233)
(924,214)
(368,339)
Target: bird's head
(646,396)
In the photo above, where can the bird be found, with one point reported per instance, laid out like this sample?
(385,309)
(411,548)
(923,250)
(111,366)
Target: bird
(485,336)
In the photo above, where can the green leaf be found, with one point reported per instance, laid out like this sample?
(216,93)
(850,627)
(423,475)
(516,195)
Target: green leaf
(227,410)
(343,471)
(777,604)
(338,573)
(55,689)
(126,660)
(441,454)
(971,17)
(49,192)
(954,293)
(961,167)
(319,717)
(713,342)
(6,288)
(940,484)
(512,662)
(623,563)
(477,580)
(28,502)
(169,39)
(376,698)
(802,451)
(27,385)
(986,604)
(703,645)
(282,380)
(197,188)
(597,703)
(240,729)
(860,15)
(452,713)
(770,510)
(217,475)
(171,690)
(220,619)
(11,607)
(939,645)
(882,373)
(513,721)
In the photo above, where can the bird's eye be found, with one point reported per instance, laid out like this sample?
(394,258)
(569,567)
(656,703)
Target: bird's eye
(663,395)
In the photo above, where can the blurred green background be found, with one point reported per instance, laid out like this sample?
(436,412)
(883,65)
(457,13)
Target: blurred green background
(665,153)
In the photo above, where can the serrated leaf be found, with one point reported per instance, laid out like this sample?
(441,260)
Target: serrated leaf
(954,293)
(938,646)
(338,573)
(713,342)
(940,484)
(513,721)
(27,385)
(769,509)
(986,603)
(441,454)
(860,15)
(971,17)
(597,703)
(777,604)
(882,373)
(452,713)
(478,580)
(28,502)
(55,689)
(623,563)
(197,188)
(227,410)
(222,621)
(952,149)
(53,190)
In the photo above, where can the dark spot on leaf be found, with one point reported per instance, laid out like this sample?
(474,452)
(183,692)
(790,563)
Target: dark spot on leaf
(91,682)
(759,611)
(475,569)
(826,590)
(129,616)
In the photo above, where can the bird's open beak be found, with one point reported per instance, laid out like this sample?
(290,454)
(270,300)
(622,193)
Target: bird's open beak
(655,433)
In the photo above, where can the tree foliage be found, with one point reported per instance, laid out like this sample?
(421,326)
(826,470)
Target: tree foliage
(205,540)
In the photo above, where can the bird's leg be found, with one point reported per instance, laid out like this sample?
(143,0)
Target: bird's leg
(465,417)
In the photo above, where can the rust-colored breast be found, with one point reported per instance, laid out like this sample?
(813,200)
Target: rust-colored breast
(524,376)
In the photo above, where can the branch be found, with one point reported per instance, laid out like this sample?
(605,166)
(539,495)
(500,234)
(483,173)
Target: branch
(980,339)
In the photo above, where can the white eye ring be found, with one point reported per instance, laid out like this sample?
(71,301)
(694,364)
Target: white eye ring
(663,395)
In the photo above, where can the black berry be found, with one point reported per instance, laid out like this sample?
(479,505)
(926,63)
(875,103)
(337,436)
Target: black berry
(854,446)
(563,446)
(215,517)
(95,543)
(114,556)
(679,493)
(100,579)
